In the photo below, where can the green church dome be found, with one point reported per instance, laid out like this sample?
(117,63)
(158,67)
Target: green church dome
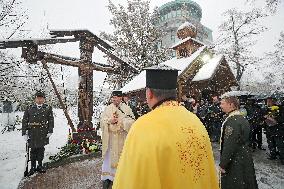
(192,7)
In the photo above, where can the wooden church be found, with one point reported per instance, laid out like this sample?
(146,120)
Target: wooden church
(201,71)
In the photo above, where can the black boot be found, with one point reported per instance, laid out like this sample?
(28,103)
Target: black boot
(41,169)
(33,168)
(32,171)
(106,184)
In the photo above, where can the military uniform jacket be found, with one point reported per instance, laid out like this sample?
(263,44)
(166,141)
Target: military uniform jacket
(38,123)
(236,157)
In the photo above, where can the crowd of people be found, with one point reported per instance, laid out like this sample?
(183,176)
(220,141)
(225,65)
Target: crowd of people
(265,116)
(163,143)
(253,117)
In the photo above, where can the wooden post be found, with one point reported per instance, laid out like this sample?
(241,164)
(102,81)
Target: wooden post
(58,96)
(85,104)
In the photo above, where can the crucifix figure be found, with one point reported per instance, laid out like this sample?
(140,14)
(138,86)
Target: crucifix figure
(87,42)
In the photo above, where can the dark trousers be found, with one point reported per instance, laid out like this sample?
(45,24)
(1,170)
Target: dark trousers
(216,131)
(37,154)
(279,140)
(256,137)
(271,145)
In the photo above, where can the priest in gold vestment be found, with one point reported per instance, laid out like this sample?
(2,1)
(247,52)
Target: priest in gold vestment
(169,147)
(115,122)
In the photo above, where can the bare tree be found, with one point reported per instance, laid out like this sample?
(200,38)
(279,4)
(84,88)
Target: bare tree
(271,5)
(135,36)
(237,35)
(12,20)
(18,77)
(13,17)
(278,54)
(275,62)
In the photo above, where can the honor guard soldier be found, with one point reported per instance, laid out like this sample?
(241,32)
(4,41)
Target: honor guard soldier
(37,127)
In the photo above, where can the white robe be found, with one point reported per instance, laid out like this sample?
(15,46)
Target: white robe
(113,136)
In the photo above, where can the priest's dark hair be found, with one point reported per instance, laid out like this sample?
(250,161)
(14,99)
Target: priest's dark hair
(162,94)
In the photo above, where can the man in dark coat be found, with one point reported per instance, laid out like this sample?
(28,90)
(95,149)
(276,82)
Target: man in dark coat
(37,127)
(255,117)
(132,103)
(186,103)
(274,119)
(215,118)
(280,135)
(236,163)
(203,115)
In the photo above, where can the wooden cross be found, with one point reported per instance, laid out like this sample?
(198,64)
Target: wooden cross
(87,42)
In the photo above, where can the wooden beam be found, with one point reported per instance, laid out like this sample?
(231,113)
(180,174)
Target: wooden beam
(56,59)
(27,42)
(81,34)
(59,97)
(120,61)
(68,61)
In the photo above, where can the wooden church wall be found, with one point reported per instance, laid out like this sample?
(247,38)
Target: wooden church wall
(223,79)
(221,82)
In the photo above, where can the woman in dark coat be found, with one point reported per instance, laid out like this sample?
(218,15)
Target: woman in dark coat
(236,163)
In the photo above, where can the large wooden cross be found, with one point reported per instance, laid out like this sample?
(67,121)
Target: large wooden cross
(85,67)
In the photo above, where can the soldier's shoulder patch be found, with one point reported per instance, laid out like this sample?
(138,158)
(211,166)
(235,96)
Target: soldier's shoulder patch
(228,131)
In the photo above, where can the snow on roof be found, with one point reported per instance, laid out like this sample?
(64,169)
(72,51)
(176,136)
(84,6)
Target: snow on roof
(186,24)
(160,67)
(139,81)
(183,63)
(185,40)
(208,69)
(236,94)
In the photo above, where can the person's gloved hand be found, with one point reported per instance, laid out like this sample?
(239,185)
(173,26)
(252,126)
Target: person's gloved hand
(48,135)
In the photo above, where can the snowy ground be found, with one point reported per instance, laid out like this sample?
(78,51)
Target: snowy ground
(12,155)
(270,174)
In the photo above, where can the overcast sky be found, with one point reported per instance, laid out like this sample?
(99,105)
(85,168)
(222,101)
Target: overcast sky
(94,16)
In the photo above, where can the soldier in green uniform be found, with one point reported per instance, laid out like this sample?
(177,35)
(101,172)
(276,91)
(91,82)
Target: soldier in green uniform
(236,163)
(37,127)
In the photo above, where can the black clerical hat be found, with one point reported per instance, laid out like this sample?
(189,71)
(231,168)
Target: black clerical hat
(40,94)
(161,77)
(117,93)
